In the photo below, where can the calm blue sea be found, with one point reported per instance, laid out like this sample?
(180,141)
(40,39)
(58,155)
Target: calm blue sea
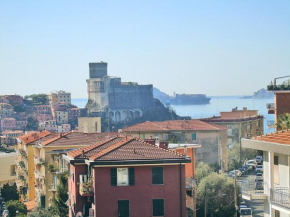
(217,104)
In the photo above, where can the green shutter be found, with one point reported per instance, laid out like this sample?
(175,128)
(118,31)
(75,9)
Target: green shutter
(131,176)
(123,208)
(158,207)
(157,175)
(114,176)
(193,136)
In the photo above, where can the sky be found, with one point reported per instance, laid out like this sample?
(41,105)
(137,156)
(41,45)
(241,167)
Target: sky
(218,48)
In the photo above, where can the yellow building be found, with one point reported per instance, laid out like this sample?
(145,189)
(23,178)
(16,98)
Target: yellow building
(89,125)
(211,137)
(8,173)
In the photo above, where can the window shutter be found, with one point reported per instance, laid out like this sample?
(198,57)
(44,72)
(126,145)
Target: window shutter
(123,208)
(158,207)
(157,175)
(131,176)
(114,176)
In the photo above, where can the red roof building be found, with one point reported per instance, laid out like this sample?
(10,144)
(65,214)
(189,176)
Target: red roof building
(125,176)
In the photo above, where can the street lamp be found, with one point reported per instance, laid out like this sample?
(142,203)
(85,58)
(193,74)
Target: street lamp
(206,199)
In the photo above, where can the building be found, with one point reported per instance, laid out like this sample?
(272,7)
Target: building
(211,137)
(14,99)
(10,137)
(48,126)
(63,128)
(240,123)
(122,101)
(61,116)
(125,176)
(6,110)
(7,124)
(25,164)
(8,173)
(89,125)
(44,113)
(276,166)
(73,113)
(59,97)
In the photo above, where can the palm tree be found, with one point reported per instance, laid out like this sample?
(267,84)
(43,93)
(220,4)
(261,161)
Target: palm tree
(283,122)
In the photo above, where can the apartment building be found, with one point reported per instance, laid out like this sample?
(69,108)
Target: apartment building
(211,137)
(125,176)
(6,110)
(276,154)
(10,137)
(59,97)
(240,123)
(44,113)
(61,116)
(8,173)
(7,124)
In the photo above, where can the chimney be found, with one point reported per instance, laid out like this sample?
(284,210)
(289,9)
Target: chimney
(185,150)
(150,141)
(163,145)
(83,153)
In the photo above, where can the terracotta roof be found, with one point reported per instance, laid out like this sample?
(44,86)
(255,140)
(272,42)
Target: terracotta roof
(124,148)
(76,139)
(173,125)
(281,137)
(31,137)
(232,119)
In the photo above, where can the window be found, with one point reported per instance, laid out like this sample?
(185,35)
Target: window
(276,169)
(123,208)
(156,136)
(143,136)
(157,175)
(122,176)
(277,213)
(193,136)
(276,160)
(158,207)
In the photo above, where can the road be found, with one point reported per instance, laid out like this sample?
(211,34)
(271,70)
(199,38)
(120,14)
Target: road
(256,205)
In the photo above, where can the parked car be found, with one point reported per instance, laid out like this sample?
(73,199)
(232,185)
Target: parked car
(259,186)
(252,164)
(246,167)
(259,159)
(259,177)
(238,173)
(243,170)
(259,169)
(246,212)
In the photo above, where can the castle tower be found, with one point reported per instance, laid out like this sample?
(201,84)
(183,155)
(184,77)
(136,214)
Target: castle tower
(97,85)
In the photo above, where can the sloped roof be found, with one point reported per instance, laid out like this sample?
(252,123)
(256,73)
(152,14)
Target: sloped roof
(31,137)
(124,148)
(281,137)
(174,125)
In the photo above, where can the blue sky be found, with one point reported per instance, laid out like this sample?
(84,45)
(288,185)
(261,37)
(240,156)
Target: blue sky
(212,47)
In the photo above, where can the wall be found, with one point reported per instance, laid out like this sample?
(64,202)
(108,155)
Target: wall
(141,194)
(88,125)
(31,176)
(7,161)
(282,102)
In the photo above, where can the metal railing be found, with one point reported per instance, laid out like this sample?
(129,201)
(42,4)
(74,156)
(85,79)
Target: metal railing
(278,87)
(254,188)
(280,197)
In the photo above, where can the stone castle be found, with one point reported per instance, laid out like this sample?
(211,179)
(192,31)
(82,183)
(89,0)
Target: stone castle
(123,101)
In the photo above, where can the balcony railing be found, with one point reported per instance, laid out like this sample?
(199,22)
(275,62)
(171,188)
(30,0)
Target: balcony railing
(39,160)
(254,189)
(52,187)
(280,197)
(87,189)
(280,87)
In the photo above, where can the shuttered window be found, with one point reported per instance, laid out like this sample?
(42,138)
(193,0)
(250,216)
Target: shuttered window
(122,176)
(123,208)
(131,176)
(158,207)
(157,175)
(114,176)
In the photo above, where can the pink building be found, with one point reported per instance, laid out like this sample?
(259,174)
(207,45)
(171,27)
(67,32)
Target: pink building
(7,124)
(44,113)
(123,177)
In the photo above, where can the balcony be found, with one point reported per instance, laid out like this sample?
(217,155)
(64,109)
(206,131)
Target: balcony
(280,197)
(52,188)
(251,190)
(280,87)
(87,189)
(38,160)
(38,175)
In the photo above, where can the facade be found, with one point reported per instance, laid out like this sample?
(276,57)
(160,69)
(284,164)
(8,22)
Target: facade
(59,97)
(44,113)
(211,137)
(7,124)
(73,113)
(14,99)
(10,137)
(61,116)
(48,126)
(276,166)
(122,101)
(8,173)
(63,128)
(123,176)
(89,125)
(6,110)
(240,123)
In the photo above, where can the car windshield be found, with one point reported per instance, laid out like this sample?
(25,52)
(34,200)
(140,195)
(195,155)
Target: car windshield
(259,166)
(246,212)
(251,162)
(259,174)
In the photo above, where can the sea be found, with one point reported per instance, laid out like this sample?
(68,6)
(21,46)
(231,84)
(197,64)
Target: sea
(216,105)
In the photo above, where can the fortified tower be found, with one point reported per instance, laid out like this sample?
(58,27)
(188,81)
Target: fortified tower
(97,88)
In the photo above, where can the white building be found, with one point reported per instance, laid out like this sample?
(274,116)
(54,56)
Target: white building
(48,126)
(64,128)
(59,97)
(276,154)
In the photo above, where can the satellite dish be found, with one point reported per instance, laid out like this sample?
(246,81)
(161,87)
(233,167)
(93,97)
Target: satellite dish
(79,214)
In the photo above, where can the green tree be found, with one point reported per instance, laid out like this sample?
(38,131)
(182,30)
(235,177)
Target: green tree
(13,206)
(202,171)
(9,192)
(217,206)
(39,212)
(283,122)
(31,124)
(59,203)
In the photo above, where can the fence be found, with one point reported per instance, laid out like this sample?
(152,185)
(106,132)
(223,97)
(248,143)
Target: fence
(280,197)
